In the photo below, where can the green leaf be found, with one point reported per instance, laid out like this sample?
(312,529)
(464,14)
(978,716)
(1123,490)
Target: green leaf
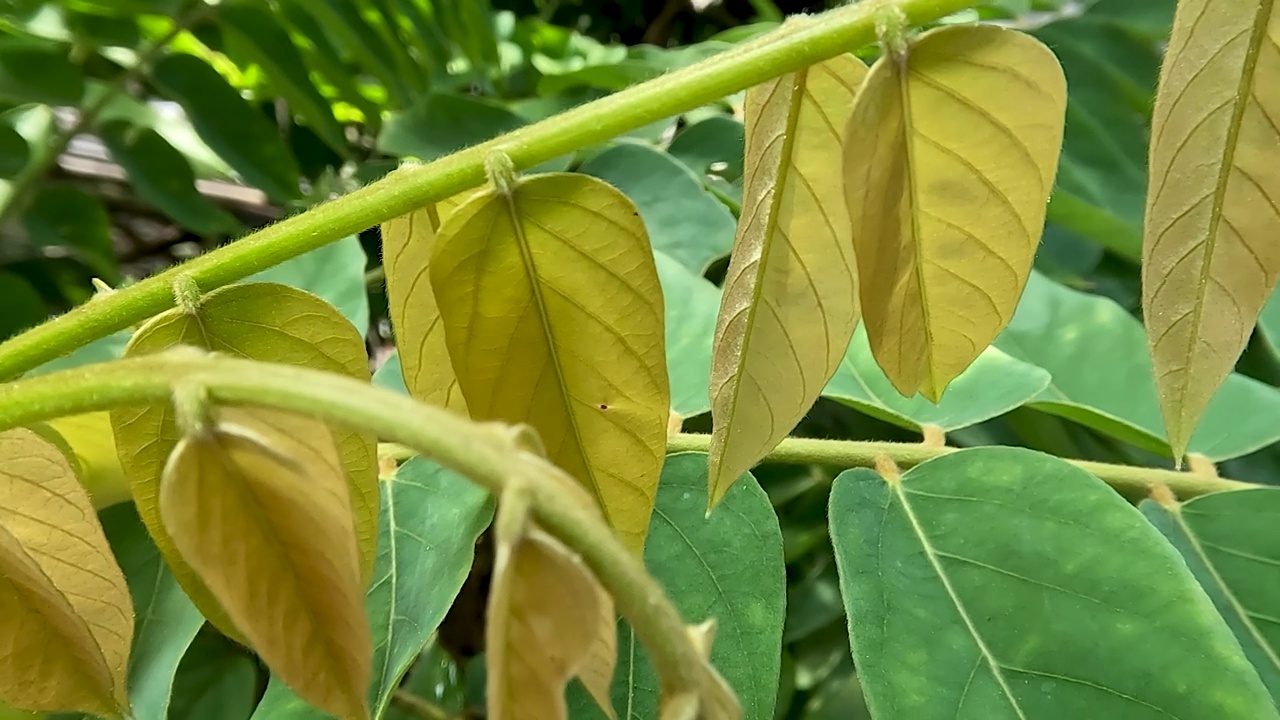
(23,306)
(439,124)
(100,350)
(390,376)
(1101,375)
(997,583)
(1229,542)
(691,304)
(683,219)
(14,151)
(42,74)
(349,28)
(216,681)
(264,42)
(163,177)
(713,148)
(62,216)
(642,62)
(177,131)
(994,384)
(333,272)
(740,583)
(167,621)
(232,128)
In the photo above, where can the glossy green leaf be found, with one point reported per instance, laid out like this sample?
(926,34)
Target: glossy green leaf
(1229,542)
(520,274)
(166,623)
(43,74)
(994,384)
(997,583)
(1209,256)
(239,134)
(68,218)
(334,273)
(1101,376)
(260,321)
(790,301)
(24,308)
(691,303)
(740,583)
(163,177)
(683,219)
(216,681)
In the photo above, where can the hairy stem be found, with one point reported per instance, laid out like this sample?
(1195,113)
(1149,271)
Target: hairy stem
(486,453)
(800,42)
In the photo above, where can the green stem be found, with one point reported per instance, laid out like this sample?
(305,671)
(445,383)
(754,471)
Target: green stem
(486,453)
(1132,482)
(800,42)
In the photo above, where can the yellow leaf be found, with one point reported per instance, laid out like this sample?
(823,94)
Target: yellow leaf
(407,244)
(260,321)
(1210,254)
(553,316)
(949,159)
(790,296)
(259,507)
(90,439)
(66,618)
(536,638)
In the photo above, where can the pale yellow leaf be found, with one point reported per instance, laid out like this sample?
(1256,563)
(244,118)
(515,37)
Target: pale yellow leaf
(1211,235)
(949,160)
(66,618)
(260,321)
(790,301)
(554,317)
(259,506)
(536,639)
(90,439)
(407,244)
(597,670)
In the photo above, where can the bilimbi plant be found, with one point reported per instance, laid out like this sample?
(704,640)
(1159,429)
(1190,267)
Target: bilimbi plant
(908,196)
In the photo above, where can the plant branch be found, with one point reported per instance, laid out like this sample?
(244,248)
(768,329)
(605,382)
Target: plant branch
(800,42)
(40,165)
(1130,481)
(488,454)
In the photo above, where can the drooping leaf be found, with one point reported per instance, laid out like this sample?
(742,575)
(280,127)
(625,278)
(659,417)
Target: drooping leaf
(994,384)
(167,622)
(1003,583)
(163,177)
(268,45)
(226,121)
(532,275)
(949,159)
(1229,542)
(259,506)
(334,272)
(1209,256)
(260,321)
(684,220)
(407,244)
(741,584)
(1093,349)
(790,297)
(66,612)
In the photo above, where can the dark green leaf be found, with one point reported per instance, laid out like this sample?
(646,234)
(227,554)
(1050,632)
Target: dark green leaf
(439,124)
(39,74)
(1003,583)
(61,216)
(216,681)
(230,126)
(344,23)
(14,152)
(643,62)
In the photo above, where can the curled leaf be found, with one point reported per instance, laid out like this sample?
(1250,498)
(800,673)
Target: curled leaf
(66,618)
(259,507)
(950,155)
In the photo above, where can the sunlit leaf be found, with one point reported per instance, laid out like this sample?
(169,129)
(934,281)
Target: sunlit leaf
(407,244)
(259,506)
(790,297)
(1209,255)
(1002,583)
(67,620)
(949,160)
(559,275)
(261,321)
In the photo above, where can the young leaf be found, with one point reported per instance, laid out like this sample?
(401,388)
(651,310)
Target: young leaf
(558,273)
(261,321)
(1003,583)
(790,297)
(949,158)
(89,439)
(536,637)
(1209,256)
(66,614)
(259,506)
(1230,544)
(407,244)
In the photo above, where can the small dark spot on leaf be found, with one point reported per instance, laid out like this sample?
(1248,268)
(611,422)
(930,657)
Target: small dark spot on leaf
(603,406)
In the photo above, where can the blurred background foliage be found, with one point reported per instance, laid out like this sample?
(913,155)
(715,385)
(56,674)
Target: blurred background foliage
(137,133)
